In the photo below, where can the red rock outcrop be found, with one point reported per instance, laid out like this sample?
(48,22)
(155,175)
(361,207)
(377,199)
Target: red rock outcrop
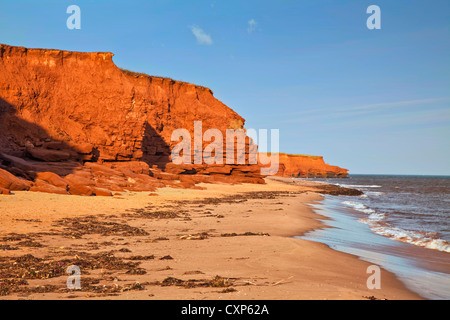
(73,122)
(304,166)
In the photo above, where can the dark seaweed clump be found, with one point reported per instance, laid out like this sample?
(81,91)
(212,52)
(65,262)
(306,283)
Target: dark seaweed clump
(77,227)
(216,282)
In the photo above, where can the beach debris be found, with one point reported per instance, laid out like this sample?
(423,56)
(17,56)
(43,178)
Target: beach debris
(161,239)
(335,190)
(373,298)
(164,269)
(5,247)
(150,213)
(244,234)
(30,267)
(248,283)
(193,272)
(141,257)
(216,282)
(29,220)
(75,228)
(30,243)
(15,237)
(15,271)
(282,281)
(138,271)
(8,286)
(197,236)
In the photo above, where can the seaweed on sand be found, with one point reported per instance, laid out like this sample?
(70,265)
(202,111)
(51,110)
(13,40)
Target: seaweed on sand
(77,227)
(216,282)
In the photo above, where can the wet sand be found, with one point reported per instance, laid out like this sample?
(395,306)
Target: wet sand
(423,270)
(224,242)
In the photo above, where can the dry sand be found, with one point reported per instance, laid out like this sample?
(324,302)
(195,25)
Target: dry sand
(241,233)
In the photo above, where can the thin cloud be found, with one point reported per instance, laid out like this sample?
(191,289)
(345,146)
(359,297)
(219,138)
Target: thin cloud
(375,106)
(397,104)
(333,113)
(251,25)
(201,36)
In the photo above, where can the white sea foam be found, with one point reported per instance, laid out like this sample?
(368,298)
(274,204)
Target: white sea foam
(358,186)
(374,220)
(421,239)
(359,206)
(374,193)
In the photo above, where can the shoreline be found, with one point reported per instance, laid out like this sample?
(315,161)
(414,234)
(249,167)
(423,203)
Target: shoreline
(417,267)
(225,242)
(423,270)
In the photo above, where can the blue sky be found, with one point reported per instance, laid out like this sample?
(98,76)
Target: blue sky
(372,101)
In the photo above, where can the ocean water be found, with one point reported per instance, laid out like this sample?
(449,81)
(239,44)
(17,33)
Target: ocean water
(401,223)
(413,209)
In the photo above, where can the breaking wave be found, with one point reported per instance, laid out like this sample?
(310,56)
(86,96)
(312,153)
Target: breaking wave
(357,186)
(375,221)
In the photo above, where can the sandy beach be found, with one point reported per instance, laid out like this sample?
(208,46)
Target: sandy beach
(223,242)
(194,153)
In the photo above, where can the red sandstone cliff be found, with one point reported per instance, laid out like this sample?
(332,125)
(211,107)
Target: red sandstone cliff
(74,123)
(304,166)
(59,109)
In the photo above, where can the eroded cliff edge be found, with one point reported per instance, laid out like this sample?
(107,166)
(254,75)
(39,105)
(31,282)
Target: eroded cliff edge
(75,123)
(84,98)
(305,166)
(67,112)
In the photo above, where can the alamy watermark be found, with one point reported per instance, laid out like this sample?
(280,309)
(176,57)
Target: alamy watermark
(74,20)
(235,147)
(374,280)
(374,21)
(74,280)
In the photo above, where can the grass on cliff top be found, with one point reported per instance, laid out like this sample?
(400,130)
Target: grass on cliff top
(298,155)
(139,74)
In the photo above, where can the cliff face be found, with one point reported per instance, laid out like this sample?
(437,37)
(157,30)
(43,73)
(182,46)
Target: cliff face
(67,107)
(83,98)
(304,166)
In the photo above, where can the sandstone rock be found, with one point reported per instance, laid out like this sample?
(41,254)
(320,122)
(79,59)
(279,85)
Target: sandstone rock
(98,112)
(48,155)
(141,187)
(304,166)
(80,190)
(11,182)
(54,145)
(80,178)
(187,185)
(165,176)
(53,179)
(63,108)
(100,192)
(180,168)
(42,186)
(16,172)
(111,181)
(111,187)
(4,191)
(130,168)
(62,169)
(194,178)
(16,162)
(83,147)
(215,169)
(28,144)
(98,169)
